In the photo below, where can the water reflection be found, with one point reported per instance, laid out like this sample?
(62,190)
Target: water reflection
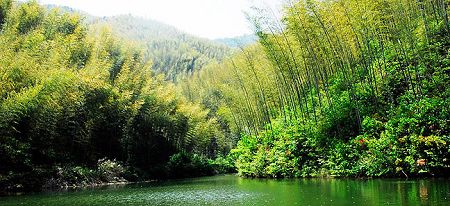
(232,190)
(423,191)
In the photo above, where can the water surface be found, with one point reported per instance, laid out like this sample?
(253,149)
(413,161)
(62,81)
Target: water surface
(233,190)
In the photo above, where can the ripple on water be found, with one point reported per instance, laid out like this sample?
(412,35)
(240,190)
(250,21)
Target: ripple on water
(188,196)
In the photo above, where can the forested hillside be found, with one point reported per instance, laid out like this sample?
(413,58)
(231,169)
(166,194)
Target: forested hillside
(78,108)
(338,88)
(173,53)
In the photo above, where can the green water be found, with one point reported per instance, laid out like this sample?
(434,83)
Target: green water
(232,190)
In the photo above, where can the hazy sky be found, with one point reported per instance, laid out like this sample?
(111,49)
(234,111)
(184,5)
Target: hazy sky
(205,18)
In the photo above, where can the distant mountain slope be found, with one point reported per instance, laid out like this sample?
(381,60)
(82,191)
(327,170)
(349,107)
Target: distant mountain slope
(238,41)
(173,52)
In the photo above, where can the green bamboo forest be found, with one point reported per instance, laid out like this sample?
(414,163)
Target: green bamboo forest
(333,88)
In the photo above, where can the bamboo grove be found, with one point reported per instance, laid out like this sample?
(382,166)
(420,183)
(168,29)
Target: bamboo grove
(339,87)
(79,107)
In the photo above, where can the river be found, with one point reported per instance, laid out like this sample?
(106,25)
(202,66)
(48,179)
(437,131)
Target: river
(233,190)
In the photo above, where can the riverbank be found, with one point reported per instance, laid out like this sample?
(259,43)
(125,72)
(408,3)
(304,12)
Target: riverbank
(111,172)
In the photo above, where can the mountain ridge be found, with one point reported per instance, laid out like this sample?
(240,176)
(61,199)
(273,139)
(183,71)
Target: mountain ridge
(174,53)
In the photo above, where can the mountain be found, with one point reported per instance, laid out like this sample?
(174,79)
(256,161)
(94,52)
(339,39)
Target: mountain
(239,41)
(173,53)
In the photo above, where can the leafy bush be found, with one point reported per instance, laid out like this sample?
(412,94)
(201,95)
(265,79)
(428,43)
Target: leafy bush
(222,165)
(183,165)
(110,170)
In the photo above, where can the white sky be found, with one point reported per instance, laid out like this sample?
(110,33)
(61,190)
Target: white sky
(205,18)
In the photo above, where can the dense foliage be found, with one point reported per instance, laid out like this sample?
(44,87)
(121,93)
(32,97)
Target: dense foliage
(341,88)
(69,99)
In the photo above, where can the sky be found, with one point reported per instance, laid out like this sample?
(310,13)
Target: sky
(205,18)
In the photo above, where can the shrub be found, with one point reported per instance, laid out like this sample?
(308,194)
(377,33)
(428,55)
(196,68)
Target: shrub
(182,165)
(222,165)
(110,170)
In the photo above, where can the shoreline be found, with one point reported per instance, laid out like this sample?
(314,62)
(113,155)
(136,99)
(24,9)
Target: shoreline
(73,188)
